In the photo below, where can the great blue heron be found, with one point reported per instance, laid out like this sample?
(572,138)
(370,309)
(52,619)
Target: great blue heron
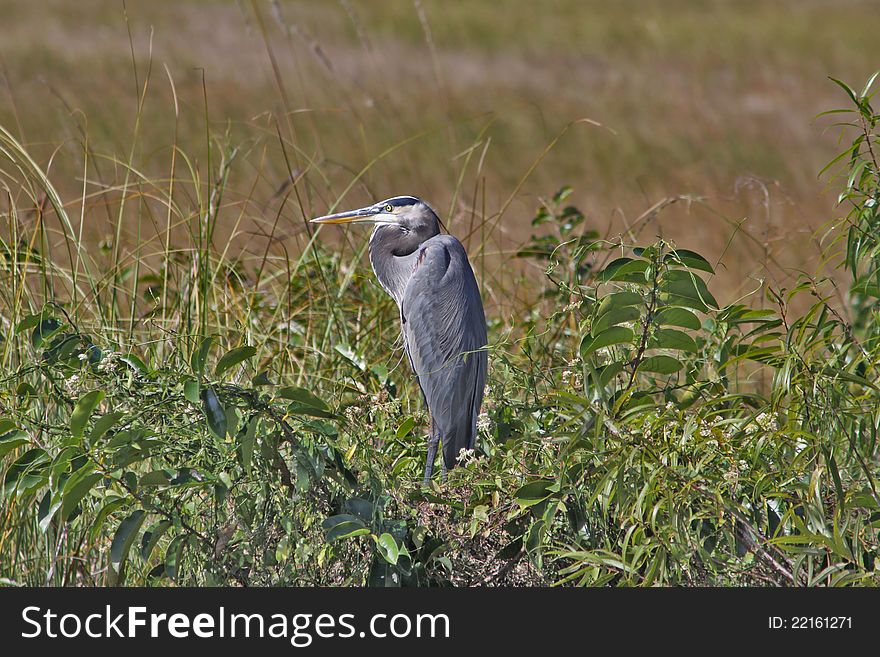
(441,315)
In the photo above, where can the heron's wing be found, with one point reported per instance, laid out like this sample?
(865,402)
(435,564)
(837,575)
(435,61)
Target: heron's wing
(444,330)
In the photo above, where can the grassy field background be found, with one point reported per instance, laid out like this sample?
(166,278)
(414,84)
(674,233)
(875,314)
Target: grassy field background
(711,100)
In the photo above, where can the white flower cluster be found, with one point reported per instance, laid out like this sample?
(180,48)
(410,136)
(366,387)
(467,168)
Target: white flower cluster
(353,413)
(108,362)
(484,423)
(72,384)
(733,474)
(764,422)
(465,456)
(371,404)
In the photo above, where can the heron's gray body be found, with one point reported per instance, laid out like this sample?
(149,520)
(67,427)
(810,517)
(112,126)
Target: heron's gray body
(441,316)
(445,340)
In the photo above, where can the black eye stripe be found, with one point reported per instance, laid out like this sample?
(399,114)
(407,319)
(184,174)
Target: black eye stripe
(400,201)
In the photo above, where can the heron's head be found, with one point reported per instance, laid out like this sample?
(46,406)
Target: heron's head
(410,218)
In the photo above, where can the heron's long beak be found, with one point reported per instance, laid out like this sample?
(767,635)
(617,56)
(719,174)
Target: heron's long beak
(361,215)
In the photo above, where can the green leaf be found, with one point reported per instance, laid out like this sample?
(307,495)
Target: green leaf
(609,371)
(48,508)
(687,302)
(611,336)
(7,443)
(200,356)
(535,491)
(660,365)
(343,526)
(618,300)
(246,446)
(234,357)
(124,538)
(26,471)
(135,363)
(282,550)
(360,507)
(102,515)
(83,411)
(535,536)
(76,487)
(191,391)
(332,521)
(61,463)
(233,418)
(155,478)
(689,259)
(405,427)
(25,390)
(615,316)
(173,555)
(846,88)
(388,548)
(304,402)
(151,538)
(673,316)
(103,424)
(7,425)
(62,347)
(869,84)
(563,193)
(11,437)
(30,322)
(346,530)
(648,253)
(677,283)
(673,339)
(214,412)
(624,269)
(45,330)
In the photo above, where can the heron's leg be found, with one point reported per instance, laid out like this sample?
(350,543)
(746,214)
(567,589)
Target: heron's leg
(433,439)
(443,469)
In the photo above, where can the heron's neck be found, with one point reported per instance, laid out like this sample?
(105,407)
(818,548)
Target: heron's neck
(392,270)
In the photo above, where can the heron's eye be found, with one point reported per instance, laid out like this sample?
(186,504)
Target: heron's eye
(388,208)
